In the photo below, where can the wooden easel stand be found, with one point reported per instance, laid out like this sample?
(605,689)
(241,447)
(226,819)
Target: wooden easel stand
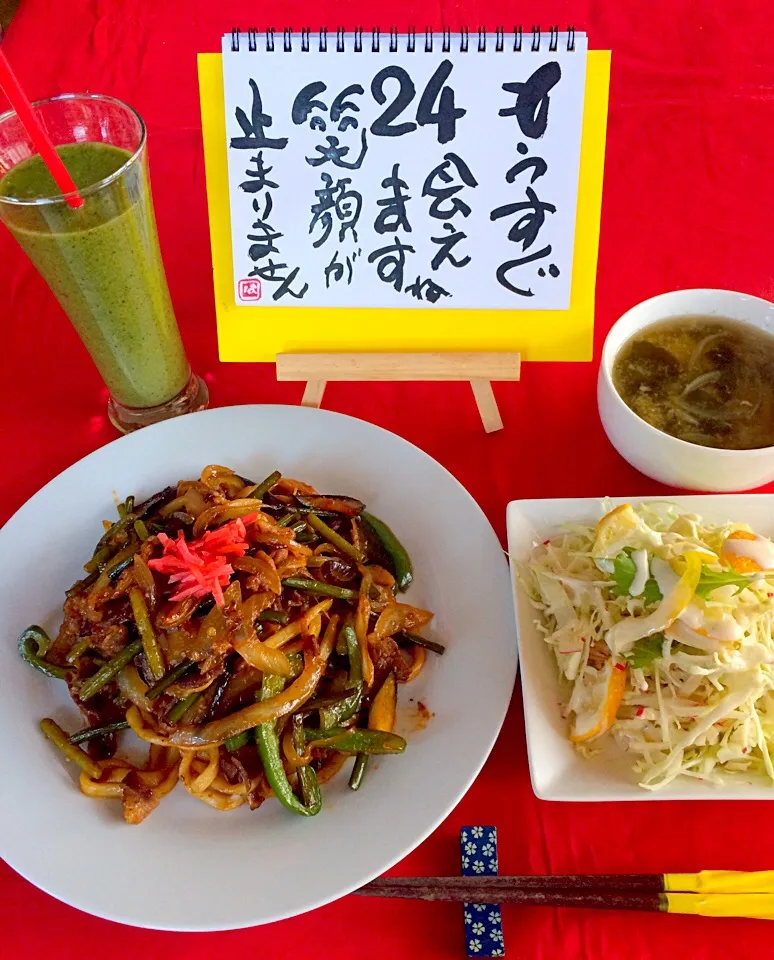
(480,369)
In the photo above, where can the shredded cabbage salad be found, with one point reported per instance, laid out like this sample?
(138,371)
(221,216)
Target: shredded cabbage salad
(661,624)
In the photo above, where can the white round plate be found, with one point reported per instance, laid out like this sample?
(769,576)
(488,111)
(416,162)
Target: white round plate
(188,867)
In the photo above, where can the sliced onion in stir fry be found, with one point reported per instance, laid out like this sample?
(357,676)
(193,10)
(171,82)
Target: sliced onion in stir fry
(296,694)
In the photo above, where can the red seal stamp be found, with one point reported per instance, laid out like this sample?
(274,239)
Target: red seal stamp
(249,290)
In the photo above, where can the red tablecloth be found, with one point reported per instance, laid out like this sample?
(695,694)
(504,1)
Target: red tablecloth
(687,202)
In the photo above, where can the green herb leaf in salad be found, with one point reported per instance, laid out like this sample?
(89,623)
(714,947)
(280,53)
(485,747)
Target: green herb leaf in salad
(652,593)
(712,579)
(645,651)
(624,572)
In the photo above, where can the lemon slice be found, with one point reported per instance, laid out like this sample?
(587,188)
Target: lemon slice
(606,696)
(613,531)
(677,563)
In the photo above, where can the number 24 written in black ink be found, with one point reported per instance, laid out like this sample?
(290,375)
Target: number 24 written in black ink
(446,116)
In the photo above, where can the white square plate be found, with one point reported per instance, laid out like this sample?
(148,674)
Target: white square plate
(558,771)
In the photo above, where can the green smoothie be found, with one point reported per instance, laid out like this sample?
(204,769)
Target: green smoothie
(103,263)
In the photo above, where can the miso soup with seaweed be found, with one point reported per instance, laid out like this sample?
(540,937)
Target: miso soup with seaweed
(706,380)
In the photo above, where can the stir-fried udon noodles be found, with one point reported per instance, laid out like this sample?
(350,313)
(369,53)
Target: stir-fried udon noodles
(249,633)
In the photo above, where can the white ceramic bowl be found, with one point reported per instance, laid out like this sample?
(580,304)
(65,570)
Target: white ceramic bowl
(656,454)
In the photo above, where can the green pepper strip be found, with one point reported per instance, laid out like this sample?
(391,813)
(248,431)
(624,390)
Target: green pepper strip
(341,642)
(333,715)
(335,538)
(145,628)
(307,778)
(81,585)
(182,707)
(141,530)
(353,740)
(237,741)
(88,733)
(404,572)
(287,520)
(124,522)
(423,642)
(100,556)
(111,669)
(306,536)
(336,713)
(274,616)
(166,681)
(78,649)
(296,665)
(118,568)
(58,737)
(113,564)
(33,644)
(320,589)
(118,527)
(42,640)
(263,488)
(355,655)
(358,771)
(355,672)
(269,749)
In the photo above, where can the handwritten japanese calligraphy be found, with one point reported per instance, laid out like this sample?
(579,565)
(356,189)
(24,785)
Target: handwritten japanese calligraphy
(531,112)
(426,177)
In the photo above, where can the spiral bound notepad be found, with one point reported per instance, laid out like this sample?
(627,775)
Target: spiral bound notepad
(432,170)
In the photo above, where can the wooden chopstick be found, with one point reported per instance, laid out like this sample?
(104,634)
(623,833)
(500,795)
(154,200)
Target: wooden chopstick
(503,889)
(709,893)
(632,892)
(705,881)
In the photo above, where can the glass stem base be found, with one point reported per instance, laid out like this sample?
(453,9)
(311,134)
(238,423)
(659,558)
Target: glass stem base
(194,396)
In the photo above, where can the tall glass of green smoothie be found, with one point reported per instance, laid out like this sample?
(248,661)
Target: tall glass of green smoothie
(102,259)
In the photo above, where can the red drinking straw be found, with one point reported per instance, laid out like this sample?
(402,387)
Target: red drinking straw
(37,133)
